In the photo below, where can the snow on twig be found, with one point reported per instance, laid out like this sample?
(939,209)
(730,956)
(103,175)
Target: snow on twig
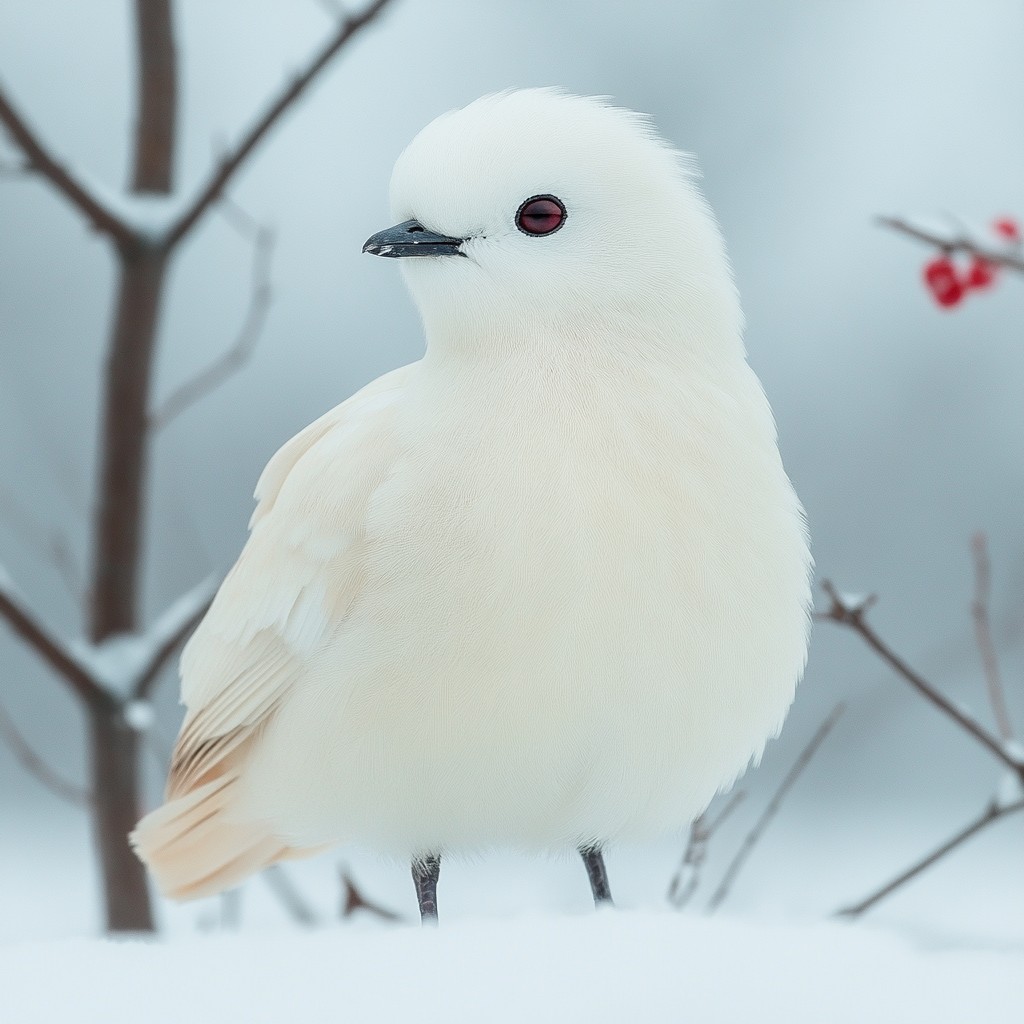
(68,184)
(60,657)
(1009,798)
(992,813)
(1007,255)
(853,616)
(161,222)
(772,808)
(128,664)
(122,667)
(178,620)
(225,170)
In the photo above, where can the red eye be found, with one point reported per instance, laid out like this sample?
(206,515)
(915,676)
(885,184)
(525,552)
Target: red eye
(540,215)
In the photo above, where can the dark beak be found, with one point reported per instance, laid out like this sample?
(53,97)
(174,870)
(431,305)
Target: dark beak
(411,238)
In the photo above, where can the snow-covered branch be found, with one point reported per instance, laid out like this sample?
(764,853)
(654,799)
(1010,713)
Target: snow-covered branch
(160,222)
(991,814)
(56,654)
(847,612)
(1009,798)
(957,238)
(127,665)
(221,175)
(170,630)
(41,160)
(123,668)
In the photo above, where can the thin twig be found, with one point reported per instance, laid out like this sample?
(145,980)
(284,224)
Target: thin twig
(210,378)
(229,165)
(1003,256)
(352,899)
(992,813)
(291,899)
(36,766)
(983,634)
(853,617)
(687,877)
(772,808)
(41,160)
(48,648)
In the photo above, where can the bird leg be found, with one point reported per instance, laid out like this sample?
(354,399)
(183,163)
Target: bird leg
(424,875)
(597,874)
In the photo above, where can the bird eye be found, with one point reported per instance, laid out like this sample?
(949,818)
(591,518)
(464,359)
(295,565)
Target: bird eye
(540,215)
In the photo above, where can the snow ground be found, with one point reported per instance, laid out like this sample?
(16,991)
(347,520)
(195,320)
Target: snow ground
(615,966)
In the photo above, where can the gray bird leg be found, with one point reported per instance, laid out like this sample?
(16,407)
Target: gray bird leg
(597,874)
(424,876)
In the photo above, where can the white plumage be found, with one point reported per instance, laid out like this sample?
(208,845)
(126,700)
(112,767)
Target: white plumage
(547,586)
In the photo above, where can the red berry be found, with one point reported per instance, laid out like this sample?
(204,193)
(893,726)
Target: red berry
(1008,228)
(941,278)
(980,274)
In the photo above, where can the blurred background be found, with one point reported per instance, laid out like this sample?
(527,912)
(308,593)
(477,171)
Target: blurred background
(901,424)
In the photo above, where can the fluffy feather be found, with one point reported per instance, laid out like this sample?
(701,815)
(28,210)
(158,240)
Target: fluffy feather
(548,585)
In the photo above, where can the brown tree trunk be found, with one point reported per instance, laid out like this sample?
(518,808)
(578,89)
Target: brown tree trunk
(124,444)
(115,788)
(114,754)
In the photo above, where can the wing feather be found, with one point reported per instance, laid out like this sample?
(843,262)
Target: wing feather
(293,584)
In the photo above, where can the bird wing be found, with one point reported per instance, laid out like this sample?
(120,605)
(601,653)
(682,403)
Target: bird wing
(291,587)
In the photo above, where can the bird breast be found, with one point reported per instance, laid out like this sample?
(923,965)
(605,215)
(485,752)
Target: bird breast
(582,611)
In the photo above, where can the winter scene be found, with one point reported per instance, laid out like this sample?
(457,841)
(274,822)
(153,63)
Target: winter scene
(511,510)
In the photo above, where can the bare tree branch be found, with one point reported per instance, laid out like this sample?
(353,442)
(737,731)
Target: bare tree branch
(231,361)
(36,766)
(983,634)
(48,648)
(157,92)
(687,877)
(992,813)
(229,165)
(1008,256)
(171,629)
(352,899)
(772,808)
(853,616)
(41,160)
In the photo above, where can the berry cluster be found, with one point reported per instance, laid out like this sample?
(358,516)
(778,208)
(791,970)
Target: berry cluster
(949,284)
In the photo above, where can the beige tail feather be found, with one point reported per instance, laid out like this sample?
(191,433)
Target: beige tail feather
(191,849)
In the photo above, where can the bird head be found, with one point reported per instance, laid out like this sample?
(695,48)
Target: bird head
(537,213)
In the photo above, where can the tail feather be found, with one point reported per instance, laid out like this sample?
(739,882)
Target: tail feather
(194,850)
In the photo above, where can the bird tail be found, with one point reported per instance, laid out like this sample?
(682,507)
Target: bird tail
(193,849)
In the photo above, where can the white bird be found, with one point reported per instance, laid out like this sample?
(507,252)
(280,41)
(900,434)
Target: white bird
(546,587)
